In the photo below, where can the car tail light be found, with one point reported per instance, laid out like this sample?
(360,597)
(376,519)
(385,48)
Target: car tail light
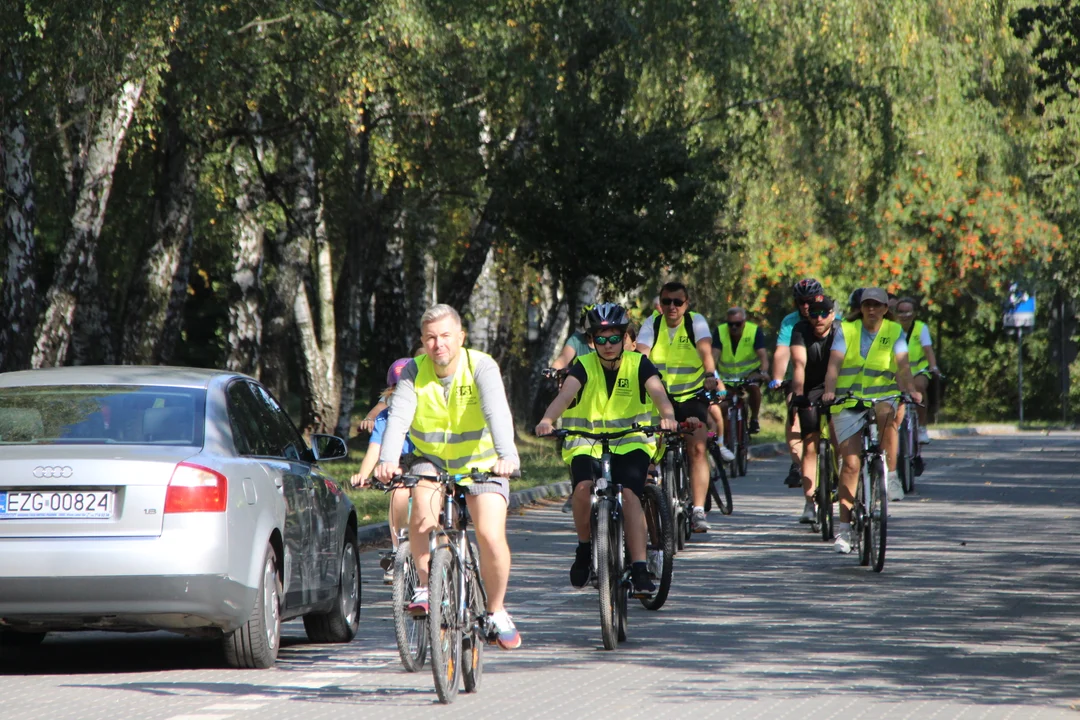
(194,488)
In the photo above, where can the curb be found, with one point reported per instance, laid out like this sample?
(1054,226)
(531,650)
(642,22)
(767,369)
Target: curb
(768,450)
(380,532)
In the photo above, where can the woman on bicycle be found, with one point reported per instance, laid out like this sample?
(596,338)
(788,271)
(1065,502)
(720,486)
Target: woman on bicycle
(609,390)
(920,354)
(869,358)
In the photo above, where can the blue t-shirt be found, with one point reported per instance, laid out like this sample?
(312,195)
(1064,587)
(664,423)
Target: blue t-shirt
(380,428)
(783,338)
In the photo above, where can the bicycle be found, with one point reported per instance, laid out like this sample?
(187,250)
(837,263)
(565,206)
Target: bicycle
(719,487)
(909,459)
(869,517)
(675,481)
(458,623)
(736,428)
(410,631)
(828,474)
(609,563)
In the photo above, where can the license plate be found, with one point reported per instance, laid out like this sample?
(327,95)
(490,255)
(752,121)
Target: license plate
(92,504)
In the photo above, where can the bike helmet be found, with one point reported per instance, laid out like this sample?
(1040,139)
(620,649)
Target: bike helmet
(855,299)
(807,288)
(394,373)
(607,315)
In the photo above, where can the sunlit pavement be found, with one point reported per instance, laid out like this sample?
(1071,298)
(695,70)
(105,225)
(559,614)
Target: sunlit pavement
(975,615)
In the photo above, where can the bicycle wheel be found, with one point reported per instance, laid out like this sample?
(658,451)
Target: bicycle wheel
(877,515)
(731,439)
(915,467)
(743,456)
(904,457)
(719,487)
(472,644)
(445,623)
(659,544)
(410,631)
(859,529)
(622,572)
(605,567)
(669,486)
(824,491)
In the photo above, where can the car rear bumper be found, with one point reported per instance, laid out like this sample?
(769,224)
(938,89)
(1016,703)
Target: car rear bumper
(180,580)
(179,602)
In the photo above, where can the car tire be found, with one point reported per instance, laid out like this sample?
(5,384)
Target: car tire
(340,624)
(255,644)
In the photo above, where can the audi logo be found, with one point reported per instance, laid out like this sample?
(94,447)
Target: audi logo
(53,472)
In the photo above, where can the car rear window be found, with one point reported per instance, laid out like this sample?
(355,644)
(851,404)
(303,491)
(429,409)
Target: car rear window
(102,415)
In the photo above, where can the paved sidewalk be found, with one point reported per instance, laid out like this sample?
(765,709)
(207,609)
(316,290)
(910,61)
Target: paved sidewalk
(976,615)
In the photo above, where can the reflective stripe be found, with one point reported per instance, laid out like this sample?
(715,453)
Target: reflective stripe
(742,359)
(849,371)
(448,437)
(463,464)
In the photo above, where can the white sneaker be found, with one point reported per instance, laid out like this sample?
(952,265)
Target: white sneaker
(896,489)
(726,454)
(809,513)
(842,541)
(924,436)
(697,521)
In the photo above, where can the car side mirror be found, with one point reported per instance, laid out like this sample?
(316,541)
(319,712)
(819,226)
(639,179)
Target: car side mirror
(328,447)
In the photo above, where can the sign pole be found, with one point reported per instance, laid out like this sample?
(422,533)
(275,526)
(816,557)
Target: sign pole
(1020,368)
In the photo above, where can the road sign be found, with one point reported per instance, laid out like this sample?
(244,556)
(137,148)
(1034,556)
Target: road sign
(1019,308)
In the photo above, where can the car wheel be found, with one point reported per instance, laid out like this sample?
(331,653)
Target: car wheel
(256,643)
(340,624)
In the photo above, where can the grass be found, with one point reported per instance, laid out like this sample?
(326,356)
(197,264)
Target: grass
(540,465)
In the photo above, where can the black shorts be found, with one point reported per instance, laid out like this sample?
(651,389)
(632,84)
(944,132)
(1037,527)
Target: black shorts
(692,408)
(627,470)
(809,419)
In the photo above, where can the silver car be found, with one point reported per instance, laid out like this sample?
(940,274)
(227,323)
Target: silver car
(153,498)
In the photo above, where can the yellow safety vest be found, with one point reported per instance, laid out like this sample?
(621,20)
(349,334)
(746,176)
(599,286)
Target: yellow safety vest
(450,430)
(876,375)
(740,361)
(678,360)
(597,412)
(916,354)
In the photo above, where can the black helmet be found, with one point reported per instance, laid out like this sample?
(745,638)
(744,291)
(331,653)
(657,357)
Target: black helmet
(855,299)
(583,316)
(607,315)
(807,288)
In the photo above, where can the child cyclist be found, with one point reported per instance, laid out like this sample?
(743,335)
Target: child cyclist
(399,498)
(606,391)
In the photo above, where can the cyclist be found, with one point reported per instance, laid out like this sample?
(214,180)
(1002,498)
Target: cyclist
(740,352)
(804,292)
(452,404)
(607,391)
(399,498)
(869,358)
(679,343)
(920,354)
(577,344)
(811,342)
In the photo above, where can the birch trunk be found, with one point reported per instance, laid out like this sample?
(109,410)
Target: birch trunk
(76,264)
(391,304)
(19,300)
(484,307)
(156,298)
(318,341)
(245,310)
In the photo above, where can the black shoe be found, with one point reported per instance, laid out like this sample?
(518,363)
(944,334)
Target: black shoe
(754,427)
(794,477)
(643,584)
(582,567)
(386,560)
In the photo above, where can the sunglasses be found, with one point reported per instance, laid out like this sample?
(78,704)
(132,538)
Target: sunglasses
(819,314)
(609,340)
(740,323)
(672,301)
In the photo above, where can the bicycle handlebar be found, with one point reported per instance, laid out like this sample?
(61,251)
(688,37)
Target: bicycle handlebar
(555,373)
(646,429)
(406,480)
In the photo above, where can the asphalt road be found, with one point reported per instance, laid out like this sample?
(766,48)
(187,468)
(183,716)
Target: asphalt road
(974,616)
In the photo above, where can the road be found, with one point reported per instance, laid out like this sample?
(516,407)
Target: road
(975,615)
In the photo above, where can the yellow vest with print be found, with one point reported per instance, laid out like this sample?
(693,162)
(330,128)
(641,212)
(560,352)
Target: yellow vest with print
(449,429)
(677,359)
(916,355)
(597,412)
(874,376)
(740,361)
